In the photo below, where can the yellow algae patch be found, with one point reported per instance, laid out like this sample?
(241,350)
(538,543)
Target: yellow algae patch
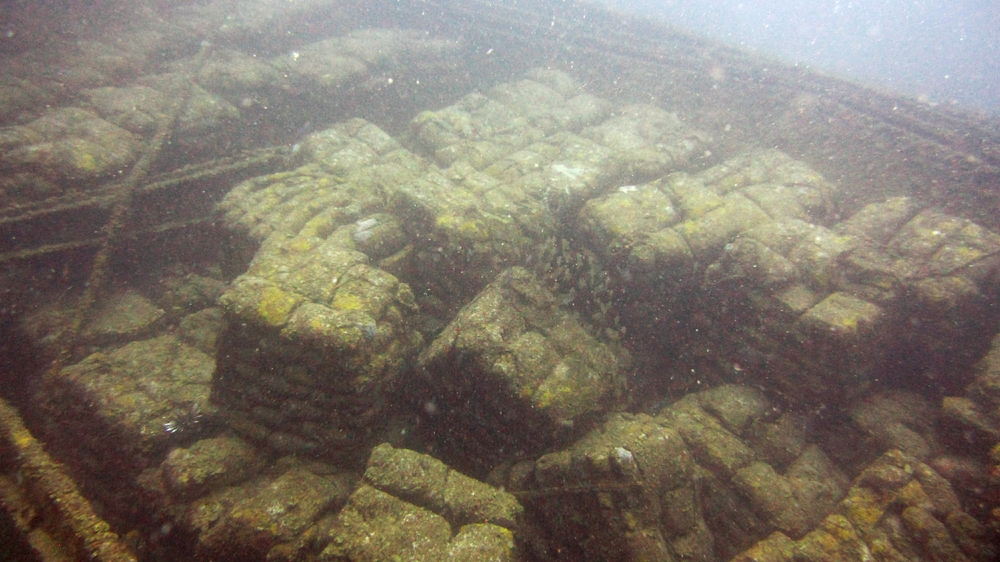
(470,228)
(318,325)
(23,439)
(446,221)
(302,244)
(275,306)
(842,313)
(699,204)
(913,494)
(319,226)
(567,391)
(258,300)
(862,508)
(84,161)
(343,300)
(547,395)
(840,527)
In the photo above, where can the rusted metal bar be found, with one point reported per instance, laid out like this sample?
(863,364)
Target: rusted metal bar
(45,503)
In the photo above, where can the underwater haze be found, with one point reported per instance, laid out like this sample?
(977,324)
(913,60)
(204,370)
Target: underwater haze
(505,280)
(935,51)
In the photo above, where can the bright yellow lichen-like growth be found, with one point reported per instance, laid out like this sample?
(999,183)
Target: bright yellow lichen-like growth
(839,527)
(344,300)
(85,162)
(470,228)
(545,397)
(863,508)
(275,306)
(318,326)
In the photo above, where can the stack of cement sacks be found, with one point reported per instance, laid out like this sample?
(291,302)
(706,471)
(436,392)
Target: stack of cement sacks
(486,288)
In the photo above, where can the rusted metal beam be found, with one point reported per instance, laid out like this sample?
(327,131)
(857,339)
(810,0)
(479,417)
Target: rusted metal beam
(45,503)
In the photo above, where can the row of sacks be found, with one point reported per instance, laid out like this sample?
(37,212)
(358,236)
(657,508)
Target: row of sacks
(367,248)
(973,419)
(719,475)
(816,306)
(366,244)
(102,131)
(321,317)
(139,387)
(722,475)
(324,331)
(703,478)
(41,70)
(406,506)
(134,425)
(898,509)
